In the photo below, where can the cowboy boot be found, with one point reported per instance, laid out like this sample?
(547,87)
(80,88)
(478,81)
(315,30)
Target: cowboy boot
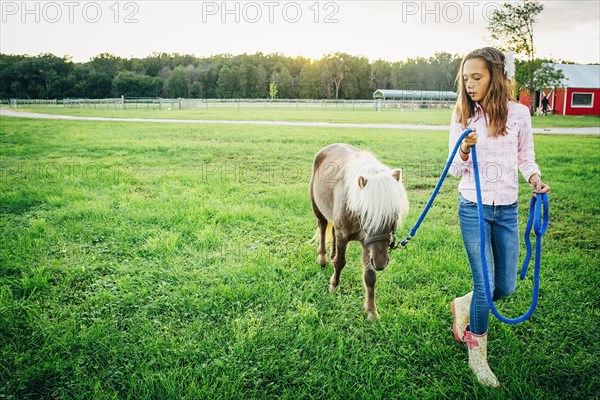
(460,307)
(478,359)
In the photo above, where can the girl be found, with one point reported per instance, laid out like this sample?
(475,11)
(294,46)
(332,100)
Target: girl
(502,132)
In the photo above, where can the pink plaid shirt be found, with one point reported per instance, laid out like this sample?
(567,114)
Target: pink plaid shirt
(500,158)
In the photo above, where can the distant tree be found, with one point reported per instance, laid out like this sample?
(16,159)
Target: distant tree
(97,86)
(154,63)
(283,79)
(357,84)
(286,84)
(137,66)
(380,74)
(547,76)
(42,77)
(257,78)
(443,68)
(335,70)
(193,75)
(412,74)
(308,82)
(227,84)
(178,83)
(150,86)
(107,64)
(511,27)
(326,78)
(126,84)
(206,86)
(164,74)
(295,67)
(272,90)
(242,81)
(395,75)
(129,84)
(56,72)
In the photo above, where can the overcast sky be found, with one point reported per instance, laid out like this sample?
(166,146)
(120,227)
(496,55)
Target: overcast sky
(390,30)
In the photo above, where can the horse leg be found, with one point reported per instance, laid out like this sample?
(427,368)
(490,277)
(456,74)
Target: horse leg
(333,249)
(369,278)
(321,222)
(322,251)
(339,262)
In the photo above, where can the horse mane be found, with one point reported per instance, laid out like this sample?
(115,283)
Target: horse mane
(381,201)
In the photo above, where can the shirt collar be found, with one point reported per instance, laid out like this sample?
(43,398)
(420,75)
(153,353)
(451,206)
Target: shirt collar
(478,112)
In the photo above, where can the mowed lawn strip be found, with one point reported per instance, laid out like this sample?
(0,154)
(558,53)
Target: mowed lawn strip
(334,113)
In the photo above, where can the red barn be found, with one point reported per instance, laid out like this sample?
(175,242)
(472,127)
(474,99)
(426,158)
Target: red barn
(580,94)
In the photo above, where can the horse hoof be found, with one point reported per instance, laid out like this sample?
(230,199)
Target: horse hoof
(333,289)
(322,260)
(373,316)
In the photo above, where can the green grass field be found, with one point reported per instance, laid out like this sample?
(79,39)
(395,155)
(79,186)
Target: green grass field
(171,261)
(331,113)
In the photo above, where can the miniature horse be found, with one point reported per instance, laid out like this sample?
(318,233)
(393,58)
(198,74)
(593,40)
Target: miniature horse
(355,197)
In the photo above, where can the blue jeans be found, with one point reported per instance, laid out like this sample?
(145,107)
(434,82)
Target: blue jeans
(502,245)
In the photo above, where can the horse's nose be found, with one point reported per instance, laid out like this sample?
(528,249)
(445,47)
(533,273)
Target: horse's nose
(380,267)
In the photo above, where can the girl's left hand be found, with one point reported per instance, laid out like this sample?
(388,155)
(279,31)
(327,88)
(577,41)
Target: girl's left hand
(538,186)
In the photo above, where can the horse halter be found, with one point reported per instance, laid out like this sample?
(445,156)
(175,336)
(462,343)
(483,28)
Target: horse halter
(381,238)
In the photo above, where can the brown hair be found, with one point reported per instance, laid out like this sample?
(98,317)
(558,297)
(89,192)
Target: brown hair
(499,93)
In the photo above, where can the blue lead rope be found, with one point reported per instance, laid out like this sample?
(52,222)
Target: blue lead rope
(535,219)
(539,229)
(413,231)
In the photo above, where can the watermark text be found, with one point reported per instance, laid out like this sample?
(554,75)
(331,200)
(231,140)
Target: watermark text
(253,12)
(69,11)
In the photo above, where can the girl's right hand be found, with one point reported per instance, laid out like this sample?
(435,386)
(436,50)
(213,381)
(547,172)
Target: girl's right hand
(471,139)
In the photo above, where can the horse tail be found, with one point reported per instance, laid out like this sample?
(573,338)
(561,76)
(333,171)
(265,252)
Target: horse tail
(328,234)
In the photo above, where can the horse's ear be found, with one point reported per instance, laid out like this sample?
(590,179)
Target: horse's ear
(397,174)
(362,181)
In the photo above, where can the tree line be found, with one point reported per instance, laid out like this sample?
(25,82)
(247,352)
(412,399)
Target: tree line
(334,76)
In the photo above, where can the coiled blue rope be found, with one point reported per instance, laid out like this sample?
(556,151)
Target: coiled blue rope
(535,219)
(539,229)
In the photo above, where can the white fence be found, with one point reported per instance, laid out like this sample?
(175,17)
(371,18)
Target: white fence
(15,103)
(122,103)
